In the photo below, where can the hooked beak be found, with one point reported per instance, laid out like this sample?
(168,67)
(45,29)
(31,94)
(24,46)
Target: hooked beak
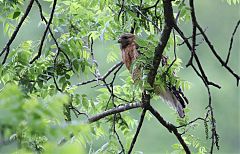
(119,40)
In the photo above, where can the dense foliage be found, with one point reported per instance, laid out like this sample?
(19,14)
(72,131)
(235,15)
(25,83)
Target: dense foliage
(41,108)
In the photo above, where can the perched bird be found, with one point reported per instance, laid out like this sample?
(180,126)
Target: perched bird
(174,97)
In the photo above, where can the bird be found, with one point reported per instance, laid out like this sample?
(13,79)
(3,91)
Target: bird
(169,93)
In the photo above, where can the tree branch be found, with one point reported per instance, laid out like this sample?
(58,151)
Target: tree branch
(45,33)
(231,41)
(171,128)
(169,22)
(115,110)
(216,54)
(153,23)
(138,130)
(202,75)
(194,30)
(193,121)
(118,137)
(103,77)
(155,5)
(7,47)
(52,35)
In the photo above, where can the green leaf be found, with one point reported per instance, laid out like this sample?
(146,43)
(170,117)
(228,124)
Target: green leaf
(62,80)
(85,101)
(16,14)
(111,57)
(76,65)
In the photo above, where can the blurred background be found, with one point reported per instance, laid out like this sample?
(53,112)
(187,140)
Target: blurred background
(220,19)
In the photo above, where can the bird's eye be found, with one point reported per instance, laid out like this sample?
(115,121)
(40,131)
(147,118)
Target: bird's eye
(125,37)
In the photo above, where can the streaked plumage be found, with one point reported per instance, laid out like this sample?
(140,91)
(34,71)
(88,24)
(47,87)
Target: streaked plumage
(128,47)
(174,97)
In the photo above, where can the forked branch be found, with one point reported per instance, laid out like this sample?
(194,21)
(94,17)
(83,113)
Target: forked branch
(7,46)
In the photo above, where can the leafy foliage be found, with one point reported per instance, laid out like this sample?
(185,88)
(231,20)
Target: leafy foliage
(234,2)
(32,122)
(39,104)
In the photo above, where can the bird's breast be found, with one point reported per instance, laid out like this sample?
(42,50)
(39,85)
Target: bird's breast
(129,54)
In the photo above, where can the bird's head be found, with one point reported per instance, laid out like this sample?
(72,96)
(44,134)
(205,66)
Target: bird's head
(126,39)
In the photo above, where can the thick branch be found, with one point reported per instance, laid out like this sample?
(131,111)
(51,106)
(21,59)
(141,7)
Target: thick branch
(171,128)
(169,22)
(194,31)
(115,110)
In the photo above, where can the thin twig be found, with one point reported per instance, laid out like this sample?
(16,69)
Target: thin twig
(118,137)
(56,85)
(153,23)
(112,69)
(190,37)
(52,35)
(231,41)
(153,6)
(101,78)
(45,33)
(97,72)
(77,112)
(216,54)
(121,9)
(179,12)
(202,75)
(189,123)
(175,54)
(138,130)
(194,31)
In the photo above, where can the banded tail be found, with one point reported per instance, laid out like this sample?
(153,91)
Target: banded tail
(176,99)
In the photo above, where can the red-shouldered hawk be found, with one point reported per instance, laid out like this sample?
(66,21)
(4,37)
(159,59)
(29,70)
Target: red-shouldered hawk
(129,53)
(170,94)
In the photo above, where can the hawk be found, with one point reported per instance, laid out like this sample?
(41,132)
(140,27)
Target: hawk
(174,97)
